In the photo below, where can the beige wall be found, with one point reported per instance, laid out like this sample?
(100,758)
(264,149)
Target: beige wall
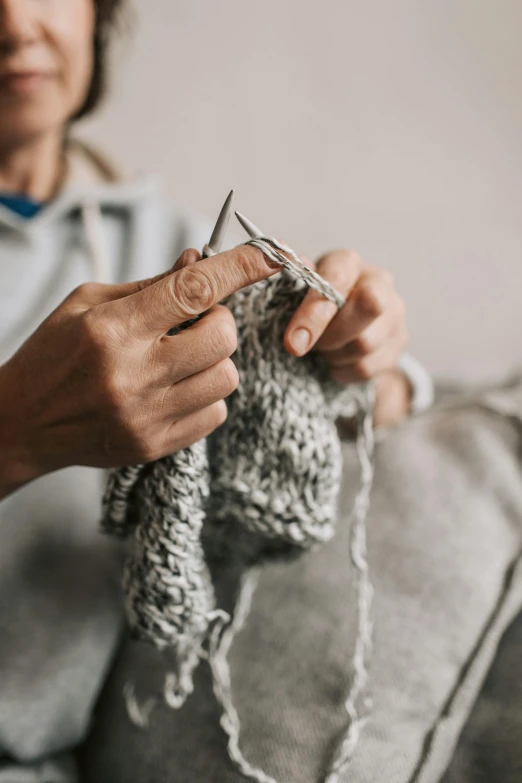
(390,126)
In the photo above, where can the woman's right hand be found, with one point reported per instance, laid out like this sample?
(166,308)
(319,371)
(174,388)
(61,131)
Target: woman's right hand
(100,383)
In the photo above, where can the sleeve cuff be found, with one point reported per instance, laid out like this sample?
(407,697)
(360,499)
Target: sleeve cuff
(420,381)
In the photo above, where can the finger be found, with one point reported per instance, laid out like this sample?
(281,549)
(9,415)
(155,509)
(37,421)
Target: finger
(342,270)
(371,339)
(208,341)
(199,391)
(92,294)
(191,291)
(368,301)
(188,430)
(373,364)
(187,258)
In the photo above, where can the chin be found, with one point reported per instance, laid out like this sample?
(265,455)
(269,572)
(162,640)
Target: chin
(21,124)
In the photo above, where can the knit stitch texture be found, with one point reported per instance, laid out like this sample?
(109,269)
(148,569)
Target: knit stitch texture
(262,486)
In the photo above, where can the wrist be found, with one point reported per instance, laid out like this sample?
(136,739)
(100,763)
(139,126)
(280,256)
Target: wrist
(16,466)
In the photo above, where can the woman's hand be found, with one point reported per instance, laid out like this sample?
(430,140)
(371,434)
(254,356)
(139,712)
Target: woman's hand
(100,383)
(364,339)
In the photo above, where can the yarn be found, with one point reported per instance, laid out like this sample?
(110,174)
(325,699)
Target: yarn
(263,486)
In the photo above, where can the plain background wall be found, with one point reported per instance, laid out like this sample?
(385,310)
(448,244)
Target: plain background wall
(392,127)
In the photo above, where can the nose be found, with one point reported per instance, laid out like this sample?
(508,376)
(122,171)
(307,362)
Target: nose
(18,24)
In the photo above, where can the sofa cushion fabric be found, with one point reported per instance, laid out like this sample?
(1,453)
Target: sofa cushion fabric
(445,533)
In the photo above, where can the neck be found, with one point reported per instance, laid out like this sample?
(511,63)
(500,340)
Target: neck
(33,167)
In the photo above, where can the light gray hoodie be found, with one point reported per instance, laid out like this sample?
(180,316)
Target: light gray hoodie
(60,609)
(60,614)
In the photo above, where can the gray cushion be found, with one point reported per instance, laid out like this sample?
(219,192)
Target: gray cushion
(489,748)
(445,531)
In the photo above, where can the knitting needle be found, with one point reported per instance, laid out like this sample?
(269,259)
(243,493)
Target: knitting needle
(220,229)
(256,233)
(249,227)
(211,249)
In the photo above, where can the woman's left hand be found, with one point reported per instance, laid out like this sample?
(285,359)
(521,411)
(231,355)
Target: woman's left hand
(364,339)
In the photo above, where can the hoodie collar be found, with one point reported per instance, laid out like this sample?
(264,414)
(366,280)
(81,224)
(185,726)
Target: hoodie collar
(90,179)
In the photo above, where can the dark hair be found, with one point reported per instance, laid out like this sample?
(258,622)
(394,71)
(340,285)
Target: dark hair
(107,16)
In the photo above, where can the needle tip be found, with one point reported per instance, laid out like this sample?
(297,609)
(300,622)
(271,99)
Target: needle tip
(249,227)
(218,235)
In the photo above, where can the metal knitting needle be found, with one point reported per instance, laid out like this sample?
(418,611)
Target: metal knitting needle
(211,249)
(220,229)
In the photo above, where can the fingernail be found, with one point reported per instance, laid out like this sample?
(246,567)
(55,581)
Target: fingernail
(300,340)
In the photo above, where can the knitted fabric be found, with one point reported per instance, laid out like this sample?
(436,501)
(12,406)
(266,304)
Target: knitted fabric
(262,486)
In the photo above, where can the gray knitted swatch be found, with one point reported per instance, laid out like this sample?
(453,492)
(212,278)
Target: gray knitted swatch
(262,486)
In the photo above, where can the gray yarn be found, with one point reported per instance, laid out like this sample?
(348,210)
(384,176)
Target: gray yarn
(263,486)
(289,260)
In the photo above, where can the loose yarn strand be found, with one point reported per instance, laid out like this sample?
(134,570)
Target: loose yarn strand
(365,445)
(139,714)
(222,637)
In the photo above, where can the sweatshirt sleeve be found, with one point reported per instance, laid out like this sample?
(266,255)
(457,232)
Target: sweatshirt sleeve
(420,381)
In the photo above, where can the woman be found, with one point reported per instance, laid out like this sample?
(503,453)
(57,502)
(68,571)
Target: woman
(82,345)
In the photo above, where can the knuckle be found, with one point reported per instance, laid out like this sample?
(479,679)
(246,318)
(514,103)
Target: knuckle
(220,413)
(225,335)
(364,344)
(114,392)
(387,277)
(193,290)
(353,257)
(228,378)
(84,291)
(371,301)
(348,259)
(130,437)
(146,450)
(139,443)
(215,415)
(364,369)
(93,329)
(341,258)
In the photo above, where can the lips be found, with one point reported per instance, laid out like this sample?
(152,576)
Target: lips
(22,82)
